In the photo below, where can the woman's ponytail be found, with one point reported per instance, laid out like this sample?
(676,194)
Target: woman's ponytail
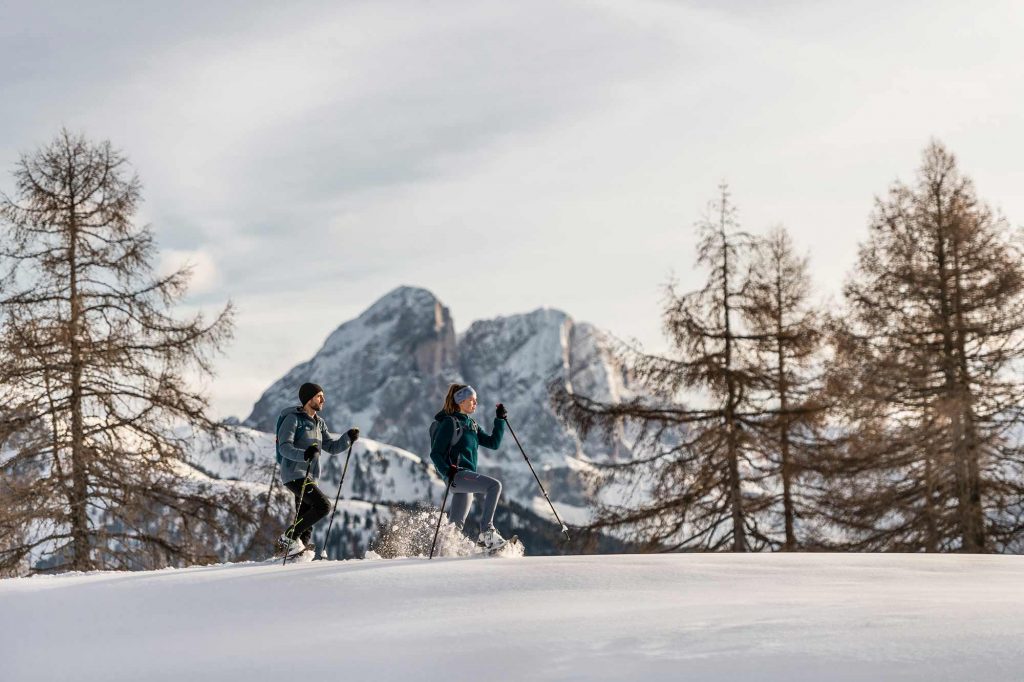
(450,406)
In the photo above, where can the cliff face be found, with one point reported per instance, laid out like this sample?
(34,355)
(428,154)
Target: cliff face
(515,360)
(381,371)
(387,372)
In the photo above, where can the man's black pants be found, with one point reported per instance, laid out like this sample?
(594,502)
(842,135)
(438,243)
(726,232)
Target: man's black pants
(315,506)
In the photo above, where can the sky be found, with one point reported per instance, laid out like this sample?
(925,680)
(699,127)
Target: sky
(308,157)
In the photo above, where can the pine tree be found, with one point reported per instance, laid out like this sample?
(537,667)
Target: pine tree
(927,371)
(94,377)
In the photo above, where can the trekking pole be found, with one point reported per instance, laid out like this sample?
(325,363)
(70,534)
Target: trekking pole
(323,552)
(565,528)
(298,506)
(439,515)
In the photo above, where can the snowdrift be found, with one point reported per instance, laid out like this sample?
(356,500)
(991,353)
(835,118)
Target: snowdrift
(624,617)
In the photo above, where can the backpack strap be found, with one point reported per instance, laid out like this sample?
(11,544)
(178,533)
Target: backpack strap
(456,437)
(277,440)
(456,433)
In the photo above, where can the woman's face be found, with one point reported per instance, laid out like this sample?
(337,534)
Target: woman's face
(468,406)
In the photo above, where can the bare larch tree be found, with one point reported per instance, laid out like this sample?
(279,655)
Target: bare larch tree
(786,330)
(97,402)
(928,373)
(701,487)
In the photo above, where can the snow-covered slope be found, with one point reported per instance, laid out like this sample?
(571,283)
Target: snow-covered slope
(651,617)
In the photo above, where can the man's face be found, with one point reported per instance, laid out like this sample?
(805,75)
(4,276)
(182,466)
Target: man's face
(316,403)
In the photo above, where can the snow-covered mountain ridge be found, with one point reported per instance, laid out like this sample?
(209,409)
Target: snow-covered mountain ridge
(707,617)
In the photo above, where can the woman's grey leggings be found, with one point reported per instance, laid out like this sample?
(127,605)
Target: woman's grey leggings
(467,484)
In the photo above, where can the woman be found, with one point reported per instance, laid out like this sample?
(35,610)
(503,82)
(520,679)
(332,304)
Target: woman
(454,454)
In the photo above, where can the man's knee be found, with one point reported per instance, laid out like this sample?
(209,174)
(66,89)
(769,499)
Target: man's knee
(321,505)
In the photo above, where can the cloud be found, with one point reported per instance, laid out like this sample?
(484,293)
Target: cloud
(306,157)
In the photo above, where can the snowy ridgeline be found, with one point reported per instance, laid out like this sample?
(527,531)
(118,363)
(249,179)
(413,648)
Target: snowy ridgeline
(613,617)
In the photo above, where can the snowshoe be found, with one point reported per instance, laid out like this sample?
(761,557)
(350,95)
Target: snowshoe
(491,540)
(287,547)
(300,558)
(510,546)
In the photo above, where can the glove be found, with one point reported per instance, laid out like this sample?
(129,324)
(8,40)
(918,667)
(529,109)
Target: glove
(353,434)
(452,470)
(500,412)
(311,452)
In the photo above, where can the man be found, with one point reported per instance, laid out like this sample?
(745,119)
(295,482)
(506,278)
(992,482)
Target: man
(301,435)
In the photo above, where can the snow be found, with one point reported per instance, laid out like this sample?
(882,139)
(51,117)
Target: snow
(710,617)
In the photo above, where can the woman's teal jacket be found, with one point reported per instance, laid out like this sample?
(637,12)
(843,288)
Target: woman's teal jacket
(463,453)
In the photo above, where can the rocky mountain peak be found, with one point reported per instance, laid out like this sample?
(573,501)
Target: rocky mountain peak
(374,368)
(387,371)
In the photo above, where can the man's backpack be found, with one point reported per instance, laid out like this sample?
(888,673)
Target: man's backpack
(277,430)
(456,434)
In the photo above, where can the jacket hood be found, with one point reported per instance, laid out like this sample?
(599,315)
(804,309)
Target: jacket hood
(296,409)
(442,414)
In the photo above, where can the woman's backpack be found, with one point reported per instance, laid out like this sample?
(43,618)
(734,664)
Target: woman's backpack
(456,433)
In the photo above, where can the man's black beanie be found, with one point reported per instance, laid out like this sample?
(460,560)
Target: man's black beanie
(307,392)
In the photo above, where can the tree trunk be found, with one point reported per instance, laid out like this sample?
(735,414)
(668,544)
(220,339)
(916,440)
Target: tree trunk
(931,541)
(739,536)
(975,540)
(81,554)
(952,403)
(783,389)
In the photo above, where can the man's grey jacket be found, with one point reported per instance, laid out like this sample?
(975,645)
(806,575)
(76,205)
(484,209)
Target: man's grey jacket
(297,432)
